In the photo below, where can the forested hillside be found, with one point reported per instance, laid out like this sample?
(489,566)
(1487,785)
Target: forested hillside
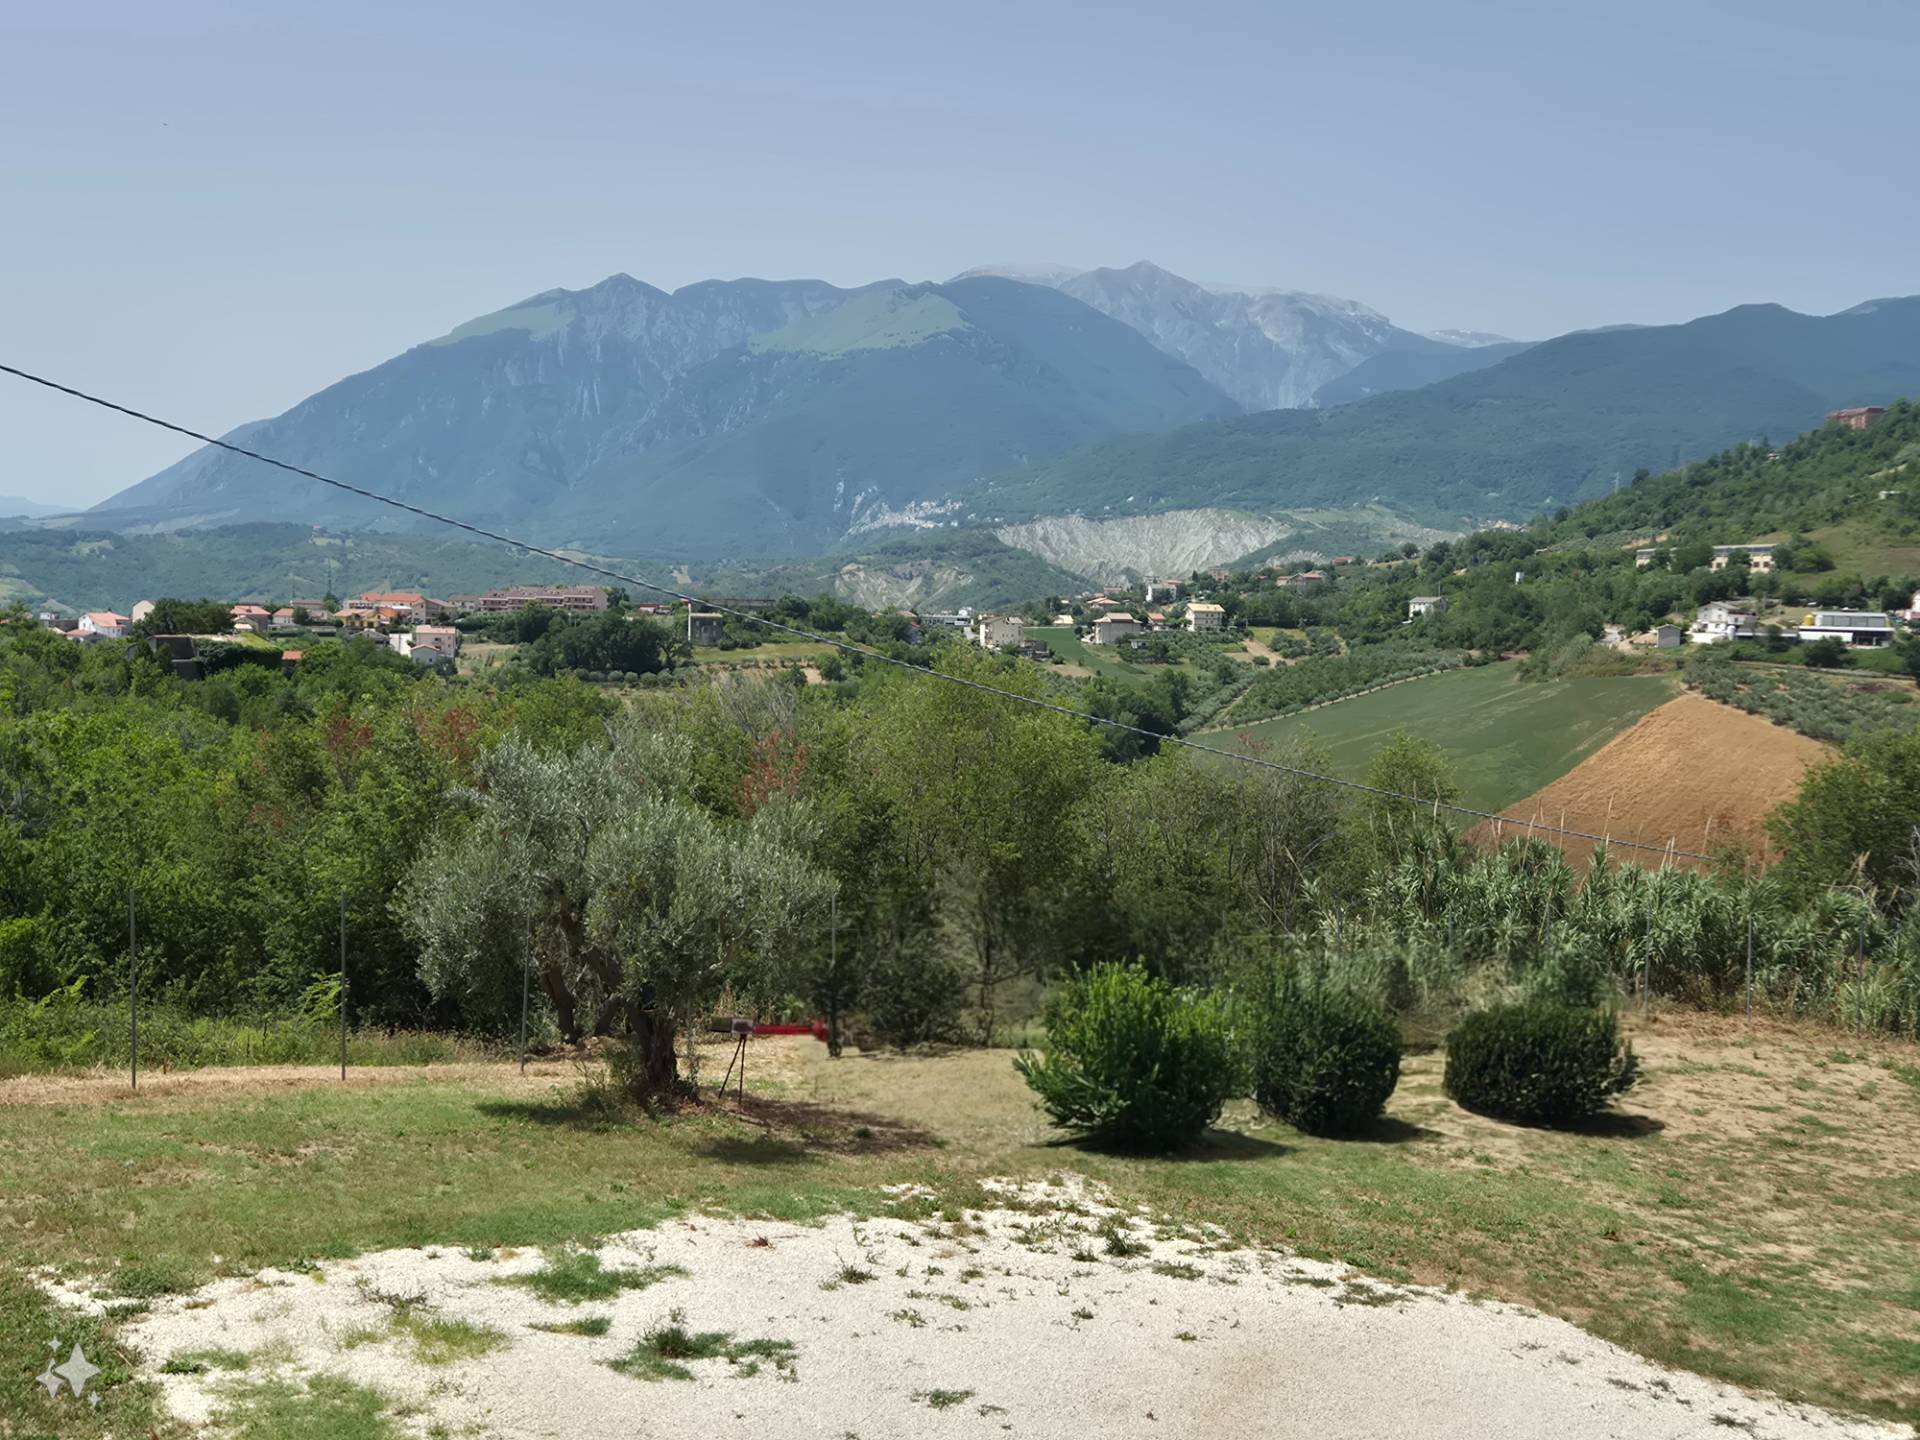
(1828,475)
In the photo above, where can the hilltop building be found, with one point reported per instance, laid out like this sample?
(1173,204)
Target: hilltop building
(518,597)
(1759,557)
(1856,417)
(996,633)
(1426,605)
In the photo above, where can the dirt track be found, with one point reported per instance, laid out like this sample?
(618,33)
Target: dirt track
(1696,773)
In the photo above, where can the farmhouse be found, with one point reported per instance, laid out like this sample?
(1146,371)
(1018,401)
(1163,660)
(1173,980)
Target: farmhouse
(1759,557)
(996,633)
(1660,637)
(1723,621)
(1205,615)
(1426,605)
(1303,580)
(1109,628)
(1162,590)
(102,625)
(1643,557)
(1859,629)
(1856,417)
(254,619)
(704,626)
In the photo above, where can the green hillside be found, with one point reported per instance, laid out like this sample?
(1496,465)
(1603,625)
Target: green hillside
(1828,481)
(1559,421)
(1505,739)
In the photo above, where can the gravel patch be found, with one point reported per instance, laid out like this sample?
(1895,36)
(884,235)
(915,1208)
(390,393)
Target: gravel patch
(1050,1313)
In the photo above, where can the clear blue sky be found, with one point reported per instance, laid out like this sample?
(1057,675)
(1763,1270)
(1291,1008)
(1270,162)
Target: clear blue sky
(215,209)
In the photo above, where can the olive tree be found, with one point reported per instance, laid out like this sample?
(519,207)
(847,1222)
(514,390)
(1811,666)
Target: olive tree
(634,906)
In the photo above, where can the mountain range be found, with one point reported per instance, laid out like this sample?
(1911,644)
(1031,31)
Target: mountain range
(741,417)
(753,421)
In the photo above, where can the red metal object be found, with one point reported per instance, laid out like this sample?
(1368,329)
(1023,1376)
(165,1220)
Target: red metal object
(815,1028)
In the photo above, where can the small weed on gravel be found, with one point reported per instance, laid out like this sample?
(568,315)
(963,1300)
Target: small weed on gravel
(576,1275)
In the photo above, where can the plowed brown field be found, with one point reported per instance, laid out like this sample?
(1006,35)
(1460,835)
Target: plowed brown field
(1694,773)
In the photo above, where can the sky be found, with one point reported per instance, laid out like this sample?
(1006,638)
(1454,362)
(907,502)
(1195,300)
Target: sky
(212,210)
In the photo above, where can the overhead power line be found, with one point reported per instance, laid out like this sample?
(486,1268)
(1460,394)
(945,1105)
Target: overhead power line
(849,647)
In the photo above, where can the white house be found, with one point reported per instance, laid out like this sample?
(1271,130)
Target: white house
(1912,617)
(996,633)
(1720,622)
(103,625)
(141,609)
(281,619)
(433,642)
(1109,628)
(1860,629)
(1759,557)
(1426,605)
(1205,615)
(1162,590)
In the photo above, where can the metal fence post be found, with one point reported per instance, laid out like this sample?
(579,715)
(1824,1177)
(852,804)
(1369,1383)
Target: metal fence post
(1859,981)
(1646,968)
(1749,969)
(526,971)
(133,987)
(343,984)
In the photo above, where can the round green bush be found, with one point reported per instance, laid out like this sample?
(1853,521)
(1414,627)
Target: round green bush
(1131,1061)
(1325,1061)
(1538,1062)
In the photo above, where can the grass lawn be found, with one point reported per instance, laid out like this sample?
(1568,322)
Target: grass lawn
(1097,658)
(772,650)
(1860,548)
(1505,739)
(1753,1213)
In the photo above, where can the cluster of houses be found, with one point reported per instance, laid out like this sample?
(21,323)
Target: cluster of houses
(1728,620)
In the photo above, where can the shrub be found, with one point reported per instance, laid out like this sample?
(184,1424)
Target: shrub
(1325,1060)
(1131,1061)
(1538,1062)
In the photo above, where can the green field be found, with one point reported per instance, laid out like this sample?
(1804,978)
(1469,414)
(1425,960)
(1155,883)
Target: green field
(1097,658)
(1505,738)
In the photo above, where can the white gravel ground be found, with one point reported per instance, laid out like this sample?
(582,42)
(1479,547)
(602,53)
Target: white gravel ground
(1019,1321)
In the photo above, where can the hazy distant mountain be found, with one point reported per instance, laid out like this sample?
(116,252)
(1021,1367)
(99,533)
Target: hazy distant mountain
(1411,369)
(740,417)
(1268,349)
(1470,339)
(12,506)
(1554,423)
